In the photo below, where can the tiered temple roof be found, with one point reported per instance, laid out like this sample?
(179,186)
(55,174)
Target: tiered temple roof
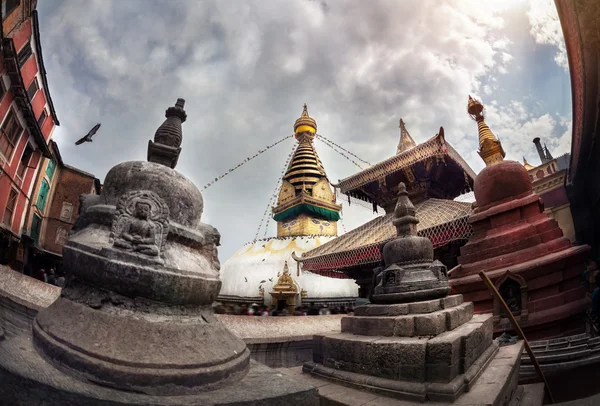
(434,174)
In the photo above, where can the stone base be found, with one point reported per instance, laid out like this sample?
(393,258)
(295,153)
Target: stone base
(495,385)
(27,379)
(405,389)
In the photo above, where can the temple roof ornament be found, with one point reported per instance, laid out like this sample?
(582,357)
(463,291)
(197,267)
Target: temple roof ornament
(406,141)
(527,165)
(166,147)
(490,148)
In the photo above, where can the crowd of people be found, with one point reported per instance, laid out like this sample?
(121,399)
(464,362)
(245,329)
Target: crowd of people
(51,277)
(255,309)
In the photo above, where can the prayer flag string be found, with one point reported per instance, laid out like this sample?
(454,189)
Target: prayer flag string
(267,215)
(342,148)
(339,152)
(248,159)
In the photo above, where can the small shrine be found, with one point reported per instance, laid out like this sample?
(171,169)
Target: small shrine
(415,342)
(285,291)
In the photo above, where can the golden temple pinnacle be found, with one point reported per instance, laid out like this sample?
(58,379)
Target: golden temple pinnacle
(305,124)
(490,148)
(527,165)
(406,141)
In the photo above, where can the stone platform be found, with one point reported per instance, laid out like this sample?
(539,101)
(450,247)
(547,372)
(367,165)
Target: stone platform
(496,385)
(27,379)
(431,350)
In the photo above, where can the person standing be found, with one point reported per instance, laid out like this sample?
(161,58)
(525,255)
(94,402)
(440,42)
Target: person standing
(42,275)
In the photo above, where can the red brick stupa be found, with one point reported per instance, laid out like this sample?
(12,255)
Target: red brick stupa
(521,249)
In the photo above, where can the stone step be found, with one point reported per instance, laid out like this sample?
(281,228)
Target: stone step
(554,358)
(416,324)
(401,309)
(438,359)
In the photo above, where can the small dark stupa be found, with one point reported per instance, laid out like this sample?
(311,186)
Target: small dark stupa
(135,324)
(414,342)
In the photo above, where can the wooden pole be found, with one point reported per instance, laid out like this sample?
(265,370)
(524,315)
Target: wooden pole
(517,328)
(456,268)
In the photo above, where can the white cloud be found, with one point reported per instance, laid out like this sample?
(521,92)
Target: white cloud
(246,68)
(546,28)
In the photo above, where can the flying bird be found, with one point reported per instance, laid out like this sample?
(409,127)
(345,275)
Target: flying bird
(245,279)
(88,137)
(263,281)
(270,279)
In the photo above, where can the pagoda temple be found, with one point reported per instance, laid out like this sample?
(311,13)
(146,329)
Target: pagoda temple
(306,216)
(523,251)
(434,174)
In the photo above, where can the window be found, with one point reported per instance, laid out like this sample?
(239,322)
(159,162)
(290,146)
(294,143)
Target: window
(9,134)
(42,118)
(9,6)
(42,195)
(24,54)
(50,168)
(36,224)
(10,207)
(25,158)
(33,88)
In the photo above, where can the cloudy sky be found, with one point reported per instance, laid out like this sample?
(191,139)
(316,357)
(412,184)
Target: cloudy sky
(245,68)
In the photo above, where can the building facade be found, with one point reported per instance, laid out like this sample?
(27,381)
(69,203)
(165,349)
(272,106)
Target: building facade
(549,181)
(27,119)
(53,209)
(581,29)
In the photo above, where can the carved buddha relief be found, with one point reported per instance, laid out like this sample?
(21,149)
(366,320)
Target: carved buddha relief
(140,223)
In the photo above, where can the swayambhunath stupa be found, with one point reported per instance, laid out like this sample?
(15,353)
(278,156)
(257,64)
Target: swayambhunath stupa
(306,216)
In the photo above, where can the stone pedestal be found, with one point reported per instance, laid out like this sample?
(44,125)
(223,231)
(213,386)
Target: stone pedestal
(431,350)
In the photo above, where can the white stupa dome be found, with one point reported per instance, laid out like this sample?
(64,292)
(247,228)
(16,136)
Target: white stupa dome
(259,264)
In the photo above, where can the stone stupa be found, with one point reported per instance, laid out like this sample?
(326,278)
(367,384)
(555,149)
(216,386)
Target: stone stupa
(135,324)
(414,341)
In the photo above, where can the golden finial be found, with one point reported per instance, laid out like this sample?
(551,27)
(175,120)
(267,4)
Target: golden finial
(305,124)
(490,148)
(406,141)
(527,165)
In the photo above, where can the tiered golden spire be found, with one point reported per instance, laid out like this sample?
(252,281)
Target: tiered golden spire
(406,141)
(490,148)
(306,204)
(305,125)
(305,168)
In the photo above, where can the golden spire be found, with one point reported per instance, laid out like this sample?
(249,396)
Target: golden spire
(527,165)
(305,126)
(406,141)
(490,148)
(306,203)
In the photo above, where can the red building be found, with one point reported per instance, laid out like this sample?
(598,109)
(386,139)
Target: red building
(27,118)
(52,212)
